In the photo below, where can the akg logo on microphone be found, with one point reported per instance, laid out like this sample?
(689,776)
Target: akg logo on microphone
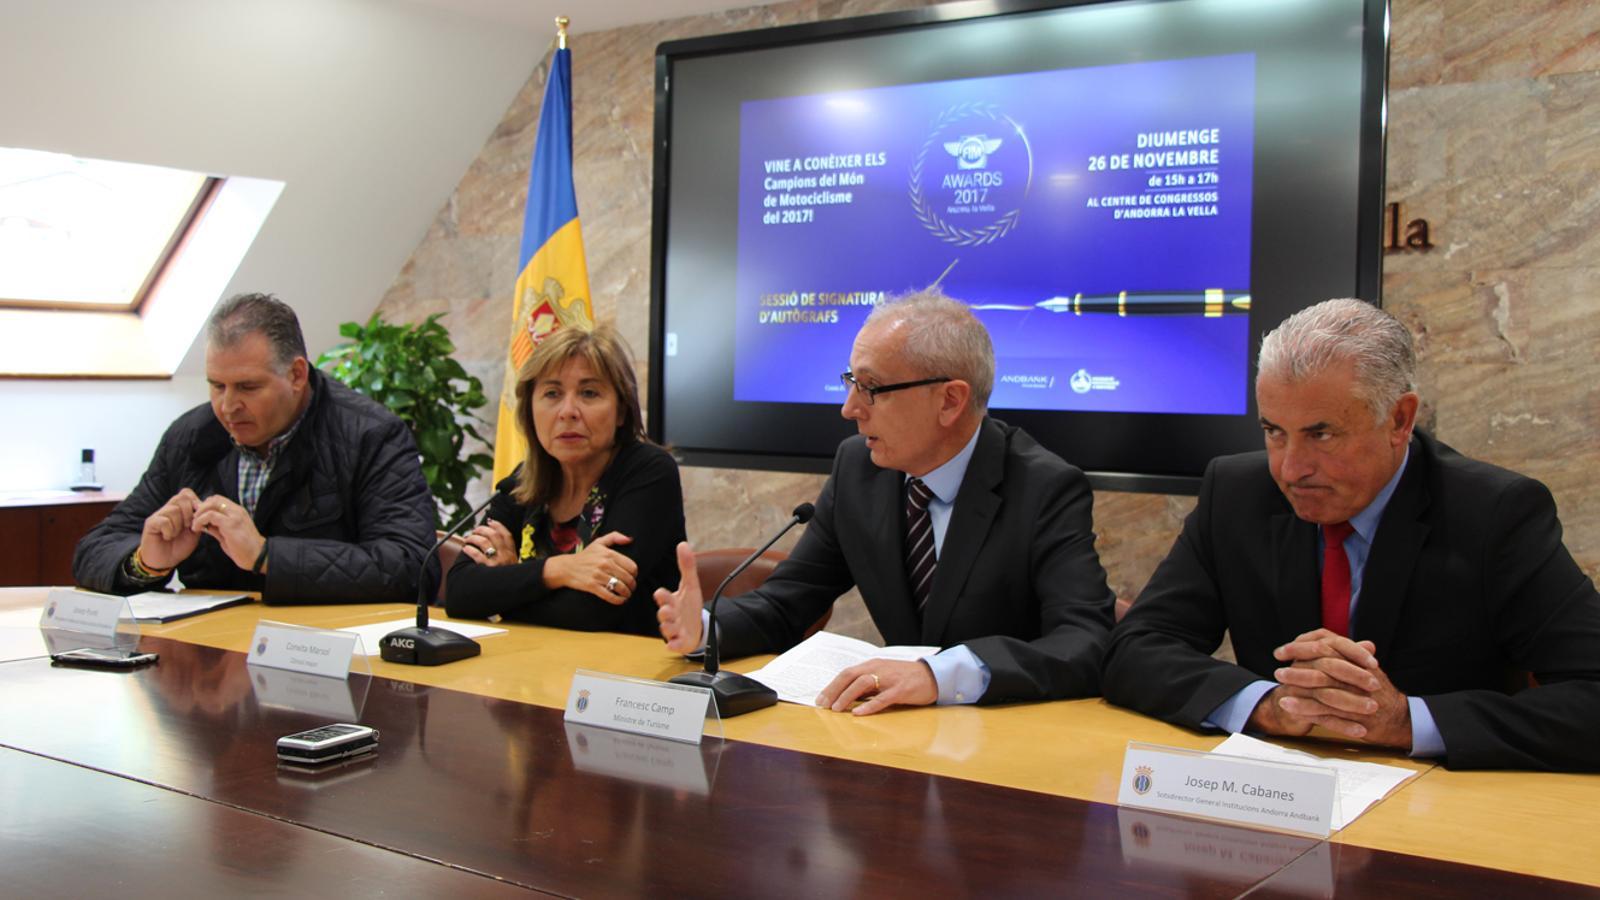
(403,643)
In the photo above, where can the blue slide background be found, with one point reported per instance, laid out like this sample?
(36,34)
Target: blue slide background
(1050,126)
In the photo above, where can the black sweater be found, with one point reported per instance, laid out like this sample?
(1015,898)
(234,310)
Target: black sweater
(643,500)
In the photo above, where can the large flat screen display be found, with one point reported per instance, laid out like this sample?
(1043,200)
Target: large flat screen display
(1128,194)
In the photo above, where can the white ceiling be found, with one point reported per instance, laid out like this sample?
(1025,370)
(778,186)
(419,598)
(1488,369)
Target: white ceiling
(369,110)
(538,16)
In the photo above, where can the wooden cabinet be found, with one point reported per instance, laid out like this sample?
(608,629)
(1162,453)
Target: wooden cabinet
(39,529)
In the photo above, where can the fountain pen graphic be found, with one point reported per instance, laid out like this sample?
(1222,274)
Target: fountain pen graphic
(1212,303)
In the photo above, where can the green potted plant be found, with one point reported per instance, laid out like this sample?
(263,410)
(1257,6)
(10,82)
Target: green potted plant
(410,370)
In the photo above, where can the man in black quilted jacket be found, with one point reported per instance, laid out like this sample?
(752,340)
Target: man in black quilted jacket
(287,483)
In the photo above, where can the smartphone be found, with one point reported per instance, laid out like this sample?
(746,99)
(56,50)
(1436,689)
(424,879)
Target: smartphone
(328,743)
(324,774)
(103,658)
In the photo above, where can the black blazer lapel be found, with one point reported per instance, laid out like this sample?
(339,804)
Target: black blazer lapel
(880,541)
(1396,547)
(977,503)
(1299,592)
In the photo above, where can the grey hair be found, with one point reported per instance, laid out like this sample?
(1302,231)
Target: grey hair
(245,314)
(1333,332)
(942,339)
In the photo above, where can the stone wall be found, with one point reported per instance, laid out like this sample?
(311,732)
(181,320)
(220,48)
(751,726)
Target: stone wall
(1493,137)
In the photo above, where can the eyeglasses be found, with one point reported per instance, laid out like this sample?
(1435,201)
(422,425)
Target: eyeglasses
(849,379)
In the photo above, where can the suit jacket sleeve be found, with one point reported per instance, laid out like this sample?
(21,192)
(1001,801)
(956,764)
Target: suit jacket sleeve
(775,616)
(1075,607)
(1549,624)
(1160,659)
(97,560)
(393,514)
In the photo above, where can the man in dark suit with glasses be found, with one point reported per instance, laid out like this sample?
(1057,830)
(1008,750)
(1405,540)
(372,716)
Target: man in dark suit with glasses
(960,532)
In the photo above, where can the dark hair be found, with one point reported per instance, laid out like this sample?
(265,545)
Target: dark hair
(245,314)
(602,348)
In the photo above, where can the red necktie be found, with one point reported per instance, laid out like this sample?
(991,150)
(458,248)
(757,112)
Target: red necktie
(1336,578)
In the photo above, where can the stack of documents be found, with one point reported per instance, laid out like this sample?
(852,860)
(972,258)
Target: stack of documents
(800,674)
(1360,784)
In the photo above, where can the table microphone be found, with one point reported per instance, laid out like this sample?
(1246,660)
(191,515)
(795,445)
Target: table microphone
(737,694)
(424,646)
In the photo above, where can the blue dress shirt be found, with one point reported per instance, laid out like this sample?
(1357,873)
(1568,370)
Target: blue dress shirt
(960,676)
(1234,713)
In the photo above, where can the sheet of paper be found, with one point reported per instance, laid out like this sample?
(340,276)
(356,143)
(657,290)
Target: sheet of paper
(157,606)
(1361,784)
(371,635)
(800,674)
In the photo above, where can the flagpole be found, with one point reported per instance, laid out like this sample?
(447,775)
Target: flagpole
(552,287)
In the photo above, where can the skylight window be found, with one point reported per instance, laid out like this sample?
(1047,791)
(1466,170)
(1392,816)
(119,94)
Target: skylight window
(87,233)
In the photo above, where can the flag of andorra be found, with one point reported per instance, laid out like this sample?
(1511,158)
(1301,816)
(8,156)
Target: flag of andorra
(553,285)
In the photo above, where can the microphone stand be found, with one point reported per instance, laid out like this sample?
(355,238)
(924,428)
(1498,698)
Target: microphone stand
(422,645)
(737,694)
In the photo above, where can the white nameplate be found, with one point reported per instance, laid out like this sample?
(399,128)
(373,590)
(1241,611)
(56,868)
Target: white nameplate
(673,711)
(83,611)
(309,650)
(1251,792)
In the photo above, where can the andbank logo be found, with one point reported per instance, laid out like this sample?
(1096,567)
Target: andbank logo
(1031,382)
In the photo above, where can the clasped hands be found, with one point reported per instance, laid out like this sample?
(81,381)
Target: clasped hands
(172,533)
(1336,683)
(596,569)
(862,689)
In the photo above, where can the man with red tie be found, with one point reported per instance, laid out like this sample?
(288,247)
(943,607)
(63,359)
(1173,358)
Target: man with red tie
(1376,584)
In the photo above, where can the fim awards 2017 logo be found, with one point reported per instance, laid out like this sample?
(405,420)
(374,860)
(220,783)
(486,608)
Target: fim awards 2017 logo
(583,699)
(972,151)
(50,611)
(1142,780)
(261,648)
(972,175)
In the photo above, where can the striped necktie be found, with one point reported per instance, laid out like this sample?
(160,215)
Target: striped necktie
(920,555)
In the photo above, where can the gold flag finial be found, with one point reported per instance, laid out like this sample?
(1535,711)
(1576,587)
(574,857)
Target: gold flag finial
(561,32)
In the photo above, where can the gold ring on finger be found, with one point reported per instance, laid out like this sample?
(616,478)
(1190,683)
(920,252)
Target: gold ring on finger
(876,684)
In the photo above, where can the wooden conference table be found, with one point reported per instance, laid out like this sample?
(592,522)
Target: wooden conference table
(479,787)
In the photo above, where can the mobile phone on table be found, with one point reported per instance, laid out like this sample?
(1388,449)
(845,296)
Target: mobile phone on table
(103,658)
(328,743)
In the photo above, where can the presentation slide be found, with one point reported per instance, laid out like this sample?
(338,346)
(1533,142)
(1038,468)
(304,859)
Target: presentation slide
(1097,220)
